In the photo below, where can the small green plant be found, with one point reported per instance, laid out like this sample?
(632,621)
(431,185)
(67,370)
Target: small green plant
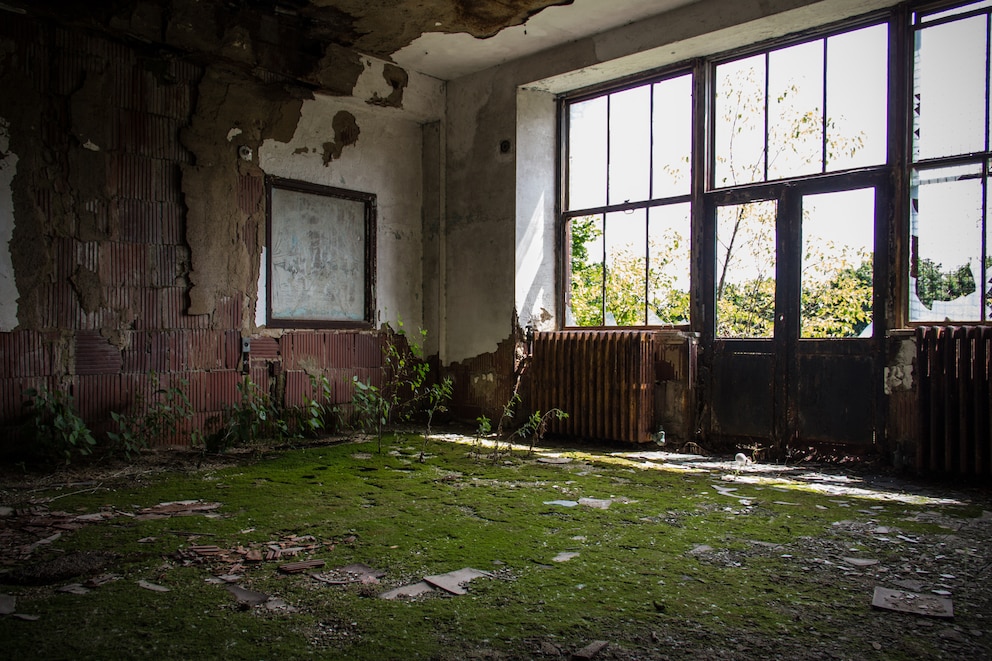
(484,428)
(55,428)
(254,418)
(437,397)
(537,425)
(159,419)
(505,416)
(372,409)
(317,411)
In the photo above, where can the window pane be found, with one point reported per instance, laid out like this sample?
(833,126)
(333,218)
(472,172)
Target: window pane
(987,278)
(795,111)
(946,246)
(838,247)
(626,268)
(586,271)
(672,137)
(740,125)
(857,68)
(587,154)
(951,88)
(924,18)
(745,270)
(630,145)
(668,275)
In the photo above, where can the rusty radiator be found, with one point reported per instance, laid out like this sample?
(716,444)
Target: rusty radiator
(954,365)
(603,380)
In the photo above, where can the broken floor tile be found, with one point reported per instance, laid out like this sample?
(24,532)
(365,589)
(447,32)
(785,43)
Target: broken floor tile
(451,582)
(245,596)
(562,503)
(596,503)
(412,590)
(73,588)
(912,602)
(152,586)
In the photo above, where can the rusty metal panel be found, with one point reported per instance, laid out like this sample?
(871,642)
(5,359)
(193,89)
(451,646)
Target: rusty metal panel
(222,389)
(264,349)
(835,399)
(741,391)
(297,387)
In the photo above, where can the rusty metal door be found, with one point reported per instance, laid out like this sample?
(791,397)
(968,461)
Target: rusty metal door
(791,355)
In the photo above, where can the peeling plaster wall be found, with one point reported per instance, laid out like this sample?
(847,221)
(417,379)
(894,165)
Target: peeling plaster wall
(385,158)
(8,286)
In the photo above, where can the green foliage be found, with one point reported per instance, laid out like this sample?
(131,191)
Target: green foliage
(372,408)
(153,421)
(537,425)
(55,432)
(934,284)
(249,421)
(438,395)
(317,412)
(484,427)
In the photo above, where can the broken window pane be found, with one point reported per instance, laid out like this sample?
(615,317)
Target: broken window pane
(946,245)
(630,145)
(950,88)
(672,137)
(795,110)
(587,140)
(837,273)
(740,125)
(586,269)
(857,73)
(625,234)
(668,275)
(745,270)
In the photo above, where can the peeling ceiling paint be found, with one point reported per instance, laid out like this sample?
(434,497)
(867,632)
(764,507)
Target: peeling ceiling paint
(443,38)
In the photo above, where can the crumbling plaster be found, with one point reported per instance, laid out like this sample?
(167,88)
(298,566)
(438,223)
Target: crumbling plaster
(385,159)
(8,286)
(500,213)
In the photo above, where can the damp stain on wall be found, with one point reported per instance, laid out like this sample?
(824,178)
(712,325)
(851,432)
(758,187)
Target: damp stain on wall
(346,132)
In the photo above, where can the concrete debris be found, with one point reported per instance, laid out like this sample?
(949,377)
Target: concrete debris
(245,596)
(408,591)
(590,651)
(451,582)
(152,586)
(912,602)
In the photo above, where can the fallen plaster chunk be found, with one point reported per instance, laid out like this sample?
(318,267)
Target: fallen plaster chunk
(554,460)
(74,588)
(152,586)
(912,602)
(413,590)
(564,556)
(596,503)
(562,503)
(590,650)
(451,582)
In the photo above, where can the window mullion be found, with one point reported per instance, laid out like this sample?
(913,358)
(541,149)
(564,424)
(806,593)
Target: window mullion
(823,120)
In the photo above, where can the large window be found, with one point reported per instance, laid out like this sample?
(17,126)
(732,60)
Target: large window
(627,205)
(950,265)
(813,115)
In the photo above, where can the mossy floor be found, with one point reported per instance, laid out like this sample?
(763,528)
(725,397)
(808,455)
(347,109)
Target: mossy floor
(659,556)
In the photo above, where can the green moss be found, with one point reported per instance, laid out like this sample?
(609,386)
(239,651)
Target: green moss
(675,557)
